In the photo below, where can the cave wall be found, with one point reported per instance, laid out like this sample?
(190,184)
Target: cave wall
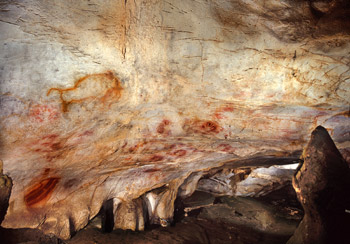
(111,99)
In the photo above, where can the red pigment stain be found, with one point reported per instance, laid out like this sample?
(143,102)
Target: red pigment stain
(81,137)
(39,194)
(125,144)
(41,112)
(50,137)
(179,153)
(155,177)
(210,127)
(167,147)
(202,126)
(136,147)
(196,150)
(218,112)
(162,127)
(151,170)
(48,143)
(228,109)
(225,148)
(156,158)
(218,115)
(86,133)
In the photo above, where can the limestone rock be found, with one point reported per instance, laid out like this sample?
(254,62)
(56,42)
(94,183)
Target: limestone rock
(104,100)
(161,202)
(199,199)
(250,213)
(322,184)
(130,215)
(253,182)
(261,181)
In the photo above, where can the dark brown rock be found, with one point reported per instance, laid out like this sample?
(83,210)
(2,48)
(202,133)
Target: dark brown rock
(322,184)
(5,191)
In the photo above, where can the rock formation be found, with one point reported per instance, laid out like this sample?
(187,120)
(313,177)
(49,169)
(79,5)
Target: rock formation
(5,192)
(112,101)
(322,184)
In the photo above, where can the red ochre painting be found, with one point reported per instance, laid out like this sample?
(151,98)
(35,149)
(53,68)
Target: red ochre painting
(103,87)
(38,194)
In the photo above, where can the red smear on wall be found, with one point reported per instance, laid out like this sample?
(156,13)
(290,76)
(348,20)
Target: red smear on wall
(210,127)
(179,153)
(151,170)
(50,146)
(134,148)
(162,128)
(202,126)
(218,114)
(225,148)
(38,194)
(156,158)
(47,144)
(86,133)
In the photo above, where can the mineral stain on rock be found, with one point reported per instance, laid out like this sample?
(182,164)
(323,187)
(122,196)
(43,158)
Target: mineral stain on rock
(39,194)
(104,87)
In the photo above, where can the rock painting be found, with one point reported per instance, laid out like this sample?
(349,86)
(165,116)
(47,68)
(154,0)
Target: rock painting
(43,113)
(104,87)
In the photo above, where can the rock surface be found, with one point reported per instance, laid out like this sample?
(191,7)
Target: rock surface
(228,220)
(113,99)
(251,214)
(322,184)
(5,192)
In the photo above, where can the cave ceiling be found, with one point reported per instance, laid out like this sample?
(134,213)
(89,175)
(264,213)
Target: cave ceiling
(111,99)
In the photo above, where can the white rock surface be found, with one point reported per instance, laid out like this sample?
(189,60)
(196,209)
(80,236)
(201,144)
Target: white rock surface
(111,99)
(264,180)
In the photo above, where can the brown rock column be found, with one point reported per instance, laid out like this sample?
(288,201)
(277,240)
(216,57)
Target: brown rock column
(130,215)
(322,184)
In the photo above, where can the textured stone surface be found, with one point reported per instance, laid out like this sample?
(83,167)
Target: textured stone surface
(5,192)
(247,182)
(111,99)
(251,213)
(322,184)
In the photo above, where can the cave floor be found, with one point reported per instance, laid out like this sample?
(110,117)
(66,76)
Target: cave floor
(191,230)
(202,218)
(207,219)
